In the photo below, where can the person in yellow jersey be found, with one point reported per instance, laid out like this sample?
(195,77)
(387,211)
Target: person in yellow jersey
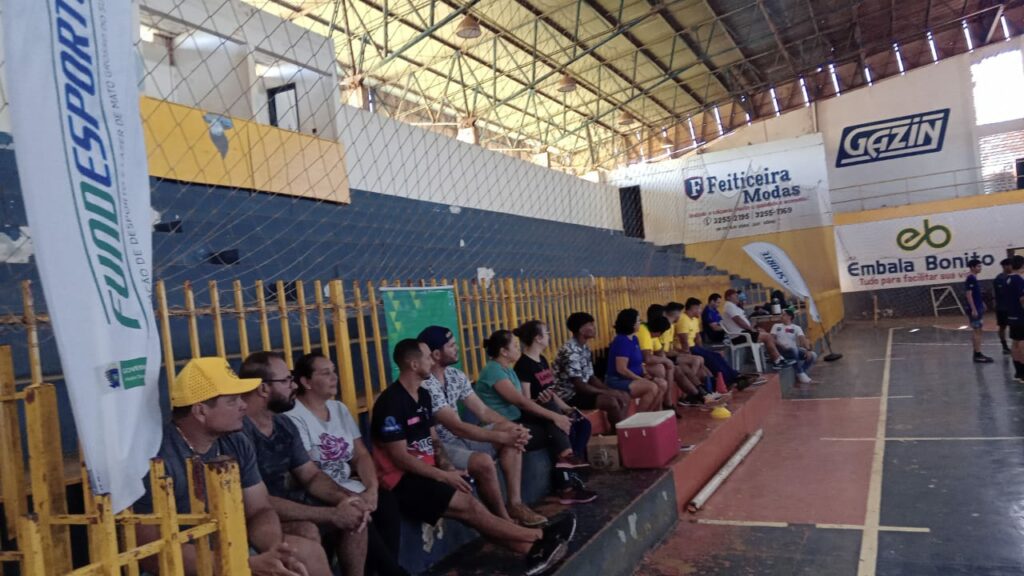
(689,339)
(649,338)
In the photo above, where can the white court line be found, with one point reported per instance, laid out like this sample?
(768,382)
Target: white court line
(957,344)
(931,439)
(883,359)
(749,523)
(868,561)
(844,398)
(913,529)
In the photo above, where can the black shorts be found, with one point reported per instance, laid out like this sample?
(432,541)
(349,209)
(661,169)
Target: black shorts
(584,401)
(714,337)
(1016,331)
(1001,319)
(421,498)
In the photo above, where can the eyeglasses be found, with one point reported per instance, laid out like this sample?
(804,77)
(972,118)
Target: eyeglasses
(286,379)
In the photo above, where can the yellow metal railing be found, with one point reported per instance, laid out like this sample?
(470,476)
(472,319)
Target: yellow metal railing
(342,318)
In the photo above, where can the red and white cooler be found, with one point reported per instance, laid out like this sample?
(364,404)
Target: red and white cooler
(648,439)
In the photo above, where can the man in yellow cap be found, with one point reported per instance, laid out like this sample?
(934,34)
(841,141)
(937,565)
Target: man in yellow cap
(206,423)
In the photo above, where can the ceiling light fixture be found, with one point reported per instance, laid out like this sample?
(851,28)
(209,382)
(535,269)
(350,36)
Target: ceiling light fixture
(967,35)
(1006,27)
(468,28)
(867,76)
(718,121)
(931,46)
(625,118)
(899,58)
(835,79)
(775,101)
(803,90)
(567,84)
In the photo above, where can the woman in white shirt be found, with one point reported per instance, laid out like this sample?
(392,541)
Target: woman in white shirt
(332,438)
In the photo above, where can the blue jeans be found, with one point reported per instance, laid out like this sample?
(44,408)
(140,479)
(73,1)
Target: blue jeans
(717,364)
(804,358)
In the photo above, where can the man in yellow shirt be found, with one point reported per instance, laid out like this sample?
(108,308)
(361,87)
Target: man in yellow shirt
(656,349)
(688,339)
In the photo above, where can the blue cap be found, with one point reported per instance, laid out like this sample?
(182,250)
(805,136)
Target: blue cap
(435,337)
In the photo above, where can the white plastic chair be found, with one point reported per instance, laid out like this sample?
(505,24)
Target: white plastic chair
(756,350)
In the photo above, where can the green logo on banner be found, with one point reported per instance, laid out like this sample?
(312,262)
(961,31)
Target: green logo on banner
(127,374)
(910,239)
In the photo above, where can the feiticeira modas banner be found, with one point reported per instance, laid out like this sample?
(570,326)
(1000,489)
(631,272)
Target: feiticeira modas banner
(926,250)
(759,189)
(74,97)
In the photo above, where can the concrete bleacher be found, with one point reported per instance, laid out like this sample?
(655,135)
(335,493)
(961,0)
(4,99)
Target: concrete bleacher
(634,511)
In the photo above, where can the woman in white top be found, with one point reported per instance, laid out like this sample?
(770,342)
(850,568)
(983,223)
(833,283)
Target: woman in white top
(332,438)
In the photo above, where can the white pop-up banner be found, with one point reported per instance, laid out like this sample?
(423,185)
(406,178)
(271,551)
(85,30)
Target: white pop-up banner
(926,250)
(74,97)
(760,189)
(776,263)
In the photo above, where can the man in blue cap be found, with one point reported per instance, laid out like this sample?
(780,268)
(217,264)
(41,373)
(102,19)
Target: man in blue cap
(470,447)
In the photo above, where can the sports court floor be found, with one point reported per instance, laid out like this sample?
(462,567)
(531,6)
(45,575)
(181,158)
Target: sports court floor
(905,459)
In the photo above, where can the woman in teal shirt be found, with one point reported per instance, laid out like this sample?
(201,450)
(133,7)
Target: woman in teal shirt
(499,388)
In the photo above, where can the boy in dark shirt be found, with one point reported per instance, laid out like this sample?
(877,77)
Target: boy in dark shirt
(975,309)
(1004,300)
(1015,315)
(411,464)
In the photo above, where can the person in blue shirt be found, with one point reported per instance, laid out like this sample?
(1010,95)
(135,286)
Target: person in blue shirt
(975,308)
(1004,300)
(626,370)
(1015,315)
(711,320)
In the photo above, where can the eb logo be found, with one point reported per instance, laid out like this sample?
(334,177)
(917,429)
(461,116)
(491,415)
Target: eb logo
(694,187)
(937,236)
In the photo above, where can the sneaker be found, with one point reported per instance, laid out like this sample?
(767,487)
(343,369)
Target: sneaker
(576,495)
(982,359)
(562,527)
(524,516)
(713,399)
(750,382)
(781,363)
(687,402)
(803,378)
(571,462)
(545,554)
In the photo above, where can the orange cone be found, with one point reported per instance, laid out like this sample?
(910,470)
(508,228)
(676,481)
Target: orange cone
(720,386)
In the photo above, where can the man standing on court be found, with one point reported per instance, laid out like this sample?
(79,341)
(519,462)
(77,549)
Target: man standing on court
(1015,315)
(1004,300)
(976,309)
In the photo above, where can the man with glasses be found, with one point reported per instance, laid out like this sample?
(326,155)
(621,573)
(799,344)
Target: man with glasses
(300,492)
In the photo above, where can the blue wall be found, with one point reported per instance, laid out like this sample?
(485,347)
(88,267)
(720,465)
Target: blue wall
(285,238)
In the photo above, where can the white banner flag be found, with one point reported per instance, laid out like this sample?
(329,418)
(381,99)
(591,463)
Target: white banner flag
(776,263)
(74,97)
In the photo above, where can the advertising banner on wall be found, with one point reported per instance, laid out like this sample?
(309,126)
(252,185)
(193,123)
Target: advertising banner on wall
(759,189)
(408,311)
(82,167)
(925,250)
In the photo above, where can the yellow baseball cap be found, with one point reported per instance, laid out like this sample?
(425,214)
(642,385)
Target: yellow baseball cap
(205,378)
